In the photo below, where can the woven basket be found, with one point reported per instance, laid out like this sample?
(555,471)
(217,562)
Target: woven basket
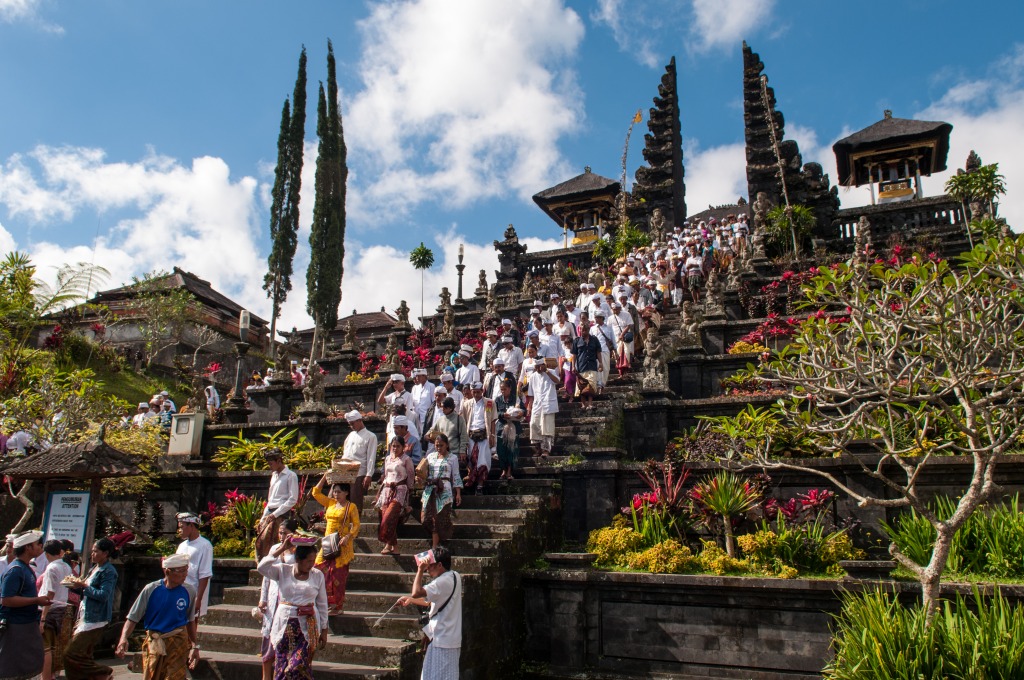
(342,472)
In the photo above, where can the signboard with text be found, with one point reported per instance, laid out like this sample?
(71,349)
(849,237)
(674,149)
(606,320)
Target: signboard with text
(66,516)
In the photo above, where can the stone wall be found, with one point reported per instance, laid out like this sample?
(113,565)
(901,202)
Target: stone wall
(609,624)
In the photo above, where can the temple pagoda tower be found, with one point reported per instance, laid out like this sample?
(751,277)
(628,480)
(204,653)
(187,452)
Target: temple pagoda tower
(660,184)
(806,184)
(583,205)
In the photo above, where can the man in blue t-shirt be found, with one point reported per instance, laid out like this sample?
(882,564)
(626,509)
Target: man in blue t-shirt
(587,353)
(167,611)
(21,644)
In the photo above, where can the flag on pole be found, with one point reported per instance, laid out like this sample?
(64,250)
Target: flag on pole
(639,116)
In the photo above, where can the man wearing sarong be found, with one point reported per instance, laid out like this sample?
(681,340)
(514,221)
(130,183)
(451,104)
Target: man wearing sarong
(167,611)
(543,387)
(21,645)
(480,416)
(283,495)
(199,552)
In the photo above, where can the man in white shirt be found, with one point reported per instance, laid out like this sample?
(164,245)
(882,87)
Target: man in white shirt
(492,383)
(361,447)
(200,558)
(489,350)
(444,626)
(284,494)
(168,400)
(480,415)
(556,304)
(542,385)
(398,395)
(55,570)
(510,354)
(550,347)
(598,304)
(144,415)
(468,373)
(422,395)
(572,313)
(583,298)
(448,382)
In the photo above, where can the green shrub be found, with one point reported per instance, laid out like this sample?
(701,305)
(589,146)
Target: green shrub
(879,639)
(786,550)
(613,544)
(247,454)
(715,560)
(224,527)
(990,543)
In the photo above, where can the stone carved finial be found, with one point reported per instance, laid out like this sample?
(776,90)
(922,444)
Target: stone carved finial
(389,363)
(491,305)
(481,284)
(446,297)
(281,368)
(657,225)
(761,207)
(510,251)
(527,287)
(973,163)
(714,301)
(313,388)
(689,326)
(862,240)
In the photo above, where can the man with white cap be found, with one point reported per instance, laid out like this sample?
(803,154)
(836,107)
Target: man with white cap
(468,373)
(448,382)
(199,552)
(21,644)
(510,354)
(556,305)
(166,609)
(498,374)
(480,415)
(548,341)
(584,297)
(398,395)
(168,400)
(572,313)
(144,415)
(606,337)
(413,448)
(542,387)
(598,304)
(282,497)
(489,350)
(422,395)
(508,329)
(360,447)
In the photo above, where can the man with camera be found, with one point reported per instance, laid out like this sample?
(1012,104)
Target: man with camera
(442,625)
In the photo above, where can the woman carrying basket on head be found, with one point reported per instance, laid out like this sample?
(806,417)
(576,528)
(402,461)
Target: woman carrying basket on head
(342,517)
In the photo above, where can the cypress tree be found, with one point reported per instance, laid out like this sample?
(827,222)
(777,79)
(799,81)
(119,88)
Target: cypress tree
(327,236)
(284,209)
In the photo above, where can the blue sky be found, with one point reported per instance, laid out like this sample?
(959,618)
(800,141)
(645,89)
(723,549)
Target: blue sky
(142,135)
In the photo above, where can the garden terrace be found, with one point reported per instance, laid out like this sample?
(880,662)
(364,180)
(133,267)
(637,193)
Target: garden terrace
(616,624)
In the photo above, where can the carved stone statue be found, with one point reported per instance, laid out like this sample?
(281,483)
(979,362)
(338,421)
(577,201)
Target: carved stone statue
(282,369)
(655,376)
(761,207)
(732,279)
(313,389)
(657,225)
(446,297)
(403,313)
(714,300)
(481,286)
(559,271)
(197,400)
(689,325)
(527,287)
(491,306)
(448,332)
(350,336)
(389,363)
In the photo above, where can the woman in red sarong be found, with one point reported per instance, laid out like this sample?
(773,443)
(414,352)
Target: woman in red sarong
(393,496)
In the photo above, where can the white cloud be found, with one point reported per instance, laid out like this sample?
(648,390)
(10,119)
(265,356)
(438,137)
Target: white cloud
(724,23)
(156,214)
(380,276)
(630,30)
(7,243)
(714,176)
(12,11)
(487,88)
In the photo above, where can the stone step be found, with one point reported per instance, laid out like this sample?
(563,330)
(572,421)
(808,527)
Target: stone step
(365,651)
(246,666)
(476,516)
(411,546)
(464,564)
(413,529)
(400,624)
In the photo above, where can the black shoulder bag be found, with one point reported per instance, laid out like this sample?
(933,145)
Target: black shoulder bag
(425,616)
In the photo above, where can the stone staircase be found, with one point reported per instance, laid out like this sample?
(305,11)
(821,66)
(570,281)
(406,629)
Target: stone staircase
(496,533)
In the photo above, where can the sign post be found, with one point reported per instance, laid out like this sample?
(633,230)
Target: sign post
(66,516)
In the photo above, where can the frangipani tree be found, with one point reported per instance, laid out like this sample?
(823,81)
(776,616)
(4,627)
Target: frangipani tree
(923,358)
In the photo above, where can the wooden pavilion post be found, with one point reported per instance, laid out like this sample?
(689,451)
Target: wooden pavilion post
(90,523)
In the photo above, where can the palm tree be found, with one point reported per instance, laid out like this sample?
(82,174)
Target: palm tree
(422,258)
(982,185)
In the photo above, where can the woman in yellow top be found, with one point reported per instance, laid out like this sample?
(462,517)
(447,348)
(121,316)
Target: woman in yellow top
(343,519)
